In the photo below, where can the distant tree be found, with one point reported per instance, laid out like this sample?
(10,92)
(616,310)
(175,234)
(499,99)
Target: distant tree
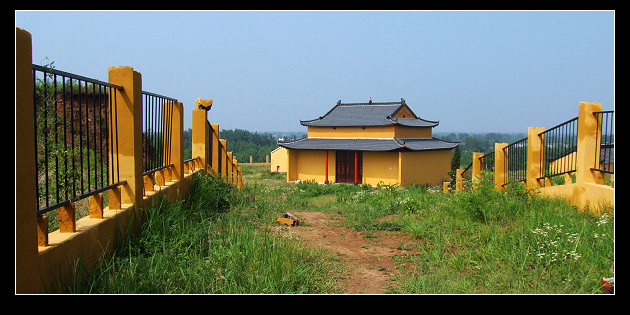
(455,159)
(243,144)
(188,144)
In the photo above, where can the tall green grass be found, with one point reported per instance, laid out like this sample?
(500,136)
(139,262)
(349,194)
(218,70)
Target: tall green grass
(491,242)
(473,242)
(203,245)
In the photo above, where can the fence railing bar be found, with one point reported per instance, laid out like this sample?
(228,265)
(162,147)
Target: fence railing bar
(555,174)
(66,202)
(557,126)
(159,168)
(191,159)
(515,160)
(72,75)
(605,141)
(157,130)
(160,96)
(558,143)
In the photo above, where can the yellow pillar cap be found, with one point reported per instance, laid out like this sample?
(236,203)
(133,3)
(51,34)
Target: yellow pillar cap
(204,104)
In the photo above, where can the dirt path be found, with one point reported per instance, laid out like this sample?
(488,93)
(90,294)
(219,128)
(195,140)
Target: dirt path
(368,254)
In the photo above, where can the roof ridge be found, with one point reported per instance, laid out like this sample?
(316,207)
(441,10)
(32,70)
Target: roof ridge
(417,118)
(345,138)
(291,141)
(432,138)
(368,114)
(370,104)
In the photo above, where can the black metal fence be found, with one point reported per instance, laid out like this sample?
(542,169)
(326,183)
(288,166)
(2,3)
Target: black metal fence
(559,149)
(516,161)
(157,131)
(605,161)
(75,129)
(487,165)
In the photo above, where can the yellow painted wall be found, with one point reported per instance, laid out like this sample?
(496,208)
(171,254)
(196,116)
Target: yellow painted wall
(404,113)
(311,165)
(292,160)
(332,165)
(279,160)
(564,164)
(424,167)
(370,132)
(412,132)
(583,194)
(351,132)
(385,168)
(380,167)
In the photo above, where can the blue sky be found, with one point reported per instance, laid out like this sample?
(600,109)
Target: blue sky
(474,71)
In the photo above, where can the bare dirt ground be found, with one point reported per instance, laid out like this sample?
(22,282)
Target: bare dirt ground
(369,255)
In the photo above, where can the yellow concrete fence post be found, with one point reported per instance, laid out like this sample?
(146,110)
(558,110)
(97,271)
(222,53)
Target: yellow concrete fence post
(476,168)
(177,143)
(224,161)
(459,180)
(588,146)
(216,148)
(240,178)
(129,110)
(95,204)
(534,152)
(235,172)
(202,132)
(500,163)
(66,217)
(229,167)
(199,136)
(26,253)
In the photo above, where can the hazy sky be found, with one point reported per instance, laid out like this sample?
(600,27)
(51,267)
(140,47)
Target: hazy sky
(474,71)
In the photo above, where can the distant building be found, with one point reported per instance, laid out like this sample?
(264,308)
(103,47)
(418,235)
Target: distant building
(369,143)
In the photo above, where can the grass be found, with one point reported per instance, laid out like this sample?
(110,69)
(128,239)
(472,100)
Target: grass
(205,245)
(472,242)
(480,241)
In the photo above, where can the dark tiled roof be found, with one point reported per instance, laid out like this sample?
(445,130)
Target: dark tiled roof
(419,144)
(367,114)
(369,144)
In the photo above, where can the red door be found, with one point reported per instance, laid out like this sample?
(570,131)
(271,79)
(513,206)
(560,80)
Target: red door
(345,166)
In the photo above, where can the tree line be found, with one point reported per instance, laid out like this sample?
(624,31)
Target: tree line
(242,144)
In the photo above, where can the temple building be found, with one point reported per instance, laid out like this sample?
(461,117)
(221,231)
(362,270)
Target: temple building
(368,143)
